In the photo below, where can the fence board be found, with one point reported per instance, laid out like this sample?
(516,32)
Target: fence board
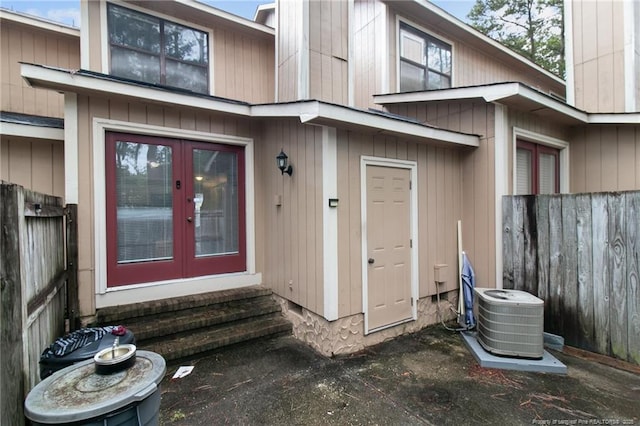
(555,264)
(11,381)
(587,251)
(507,243)
(617,263)
(543,247)
(569,299)
(601,281)
(633,274)
(585,271)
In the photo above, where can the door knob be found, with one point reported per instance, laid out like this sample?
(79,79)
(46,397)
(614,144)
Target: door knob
(371,260)
(189,219)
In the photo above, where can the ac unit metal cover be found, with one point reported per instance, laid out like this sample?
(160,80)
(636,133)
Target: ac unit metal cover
(510,322)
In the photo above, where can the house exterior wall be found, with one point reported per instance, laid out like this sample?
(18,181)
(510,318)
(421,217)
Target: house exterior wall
(605,158)
(241,63)
(477,210)
(114,108)
(37,164)
(376,56)
(290,234)
(599,55)
(290,51)
(25,43)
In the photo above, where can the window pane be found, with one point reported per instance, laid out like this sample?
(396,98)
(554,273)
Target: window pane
(186,76)
(523,172)
(547,173)
(144,202)
(439,58)
(411,77)
(437,81)
(412,47)
(185,44)
(135,65)
(216,220)
(133,29)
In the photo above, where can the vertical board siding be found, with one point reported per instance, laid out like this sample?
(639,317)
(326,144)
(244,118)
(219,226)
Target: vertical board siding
(586,258)
(439,189)
(21,43)
(33,292)
(291,239)
(37,165)
(598,55)
(475,177)
(289,49)
(243,67)
(605,158)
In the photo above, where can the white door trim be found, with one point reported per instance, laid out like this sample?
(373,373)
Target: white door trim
(412,166)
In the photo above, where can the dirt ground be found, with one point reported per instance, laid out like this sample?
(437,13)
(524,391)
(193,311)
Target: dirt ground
(424,378)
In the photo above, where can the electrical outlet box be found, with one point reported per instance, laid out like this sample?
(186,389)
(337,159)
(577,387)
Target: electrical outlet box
(441,272)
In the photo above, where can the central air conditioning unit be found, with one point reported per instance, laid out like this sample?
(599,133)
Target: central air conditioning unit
(510,322)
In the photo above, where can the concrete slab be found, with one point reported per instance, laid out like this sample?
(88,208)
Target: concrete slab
(548,363)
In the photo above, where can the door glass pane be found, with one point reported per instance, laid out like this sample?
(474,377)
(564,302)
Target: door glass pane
(144,202)
(547,173)
(215,182)
(523,172)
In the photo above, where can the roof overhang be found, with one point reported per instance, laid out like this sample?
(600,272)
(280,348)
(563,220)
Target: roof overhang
(37,22)
(516,95)
(84,83)
(308,112)
(324,114)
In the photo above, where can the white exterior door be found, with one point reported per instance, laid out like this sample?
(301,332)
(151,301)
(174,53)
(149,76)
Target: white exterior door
(388,271)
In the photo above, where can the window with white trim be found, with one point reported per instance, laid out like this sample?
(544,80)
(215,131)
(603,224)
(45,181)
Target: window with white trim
(425,61)
(537,169)
(153,50)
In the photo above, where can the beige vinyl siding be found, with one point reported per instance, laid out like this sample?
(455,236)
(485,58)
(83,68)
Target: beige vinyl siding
(21,43)
(243,67)
(136,112)
(477,181)
(289,49)
(605,158)
(36,164)
(242,64)
(439,189)
(598,55)
(471,64)
(328,52)
(290,235)
(367,56)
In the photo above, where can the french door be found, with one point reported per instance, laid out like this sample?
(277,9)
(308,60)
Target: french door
(175,209)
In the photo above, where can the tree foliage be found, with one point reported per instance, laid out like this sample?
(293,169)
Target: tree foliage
(532,28)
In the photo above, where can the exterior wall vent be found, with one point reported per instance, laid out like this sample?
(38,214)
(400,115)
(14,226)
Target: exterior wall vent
(510,323)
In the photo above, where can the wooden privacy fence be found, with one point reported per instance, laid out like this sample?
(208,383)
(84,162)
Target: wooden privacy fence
(580,254)
(35,282)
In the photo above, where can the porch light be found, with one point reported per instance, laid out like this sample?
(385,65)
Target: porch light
(282,163)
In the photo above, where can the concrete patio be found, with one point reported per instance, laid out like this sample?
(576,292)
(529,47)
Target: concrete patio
(425,378)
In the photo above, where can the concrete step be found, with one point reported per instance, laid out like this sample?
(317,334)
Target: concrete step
(121,313)
(188,344)
(182,321)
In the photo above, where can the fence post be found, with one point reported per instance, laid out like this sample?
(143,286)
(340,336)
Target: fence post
(11,308)
(72,265)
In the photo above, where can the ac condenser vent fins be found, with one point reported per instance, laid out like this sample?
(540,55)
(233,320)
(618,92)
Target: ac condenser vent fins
(510,323)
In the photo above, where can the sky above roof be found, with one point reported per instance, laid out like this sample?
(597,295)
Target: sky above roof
(68,11)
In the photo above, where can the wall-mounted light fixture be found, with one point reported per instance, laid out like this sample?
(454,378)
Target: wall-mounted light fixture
(282,163)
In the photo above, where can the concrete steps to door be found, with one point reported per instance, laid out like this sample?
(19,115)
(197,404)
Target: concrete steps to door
(186,326)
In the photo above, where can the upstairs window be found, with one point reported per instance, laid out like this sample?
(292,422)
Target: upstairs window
(153,50)
(537,169)
(425,62)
